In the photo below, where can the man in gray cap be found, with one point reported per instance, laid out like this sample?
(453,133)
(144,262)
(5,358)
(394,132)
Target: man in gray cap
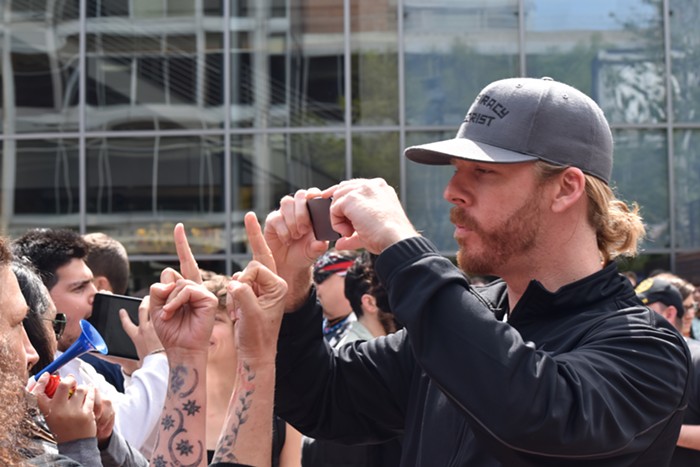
(664,298)
(557,363)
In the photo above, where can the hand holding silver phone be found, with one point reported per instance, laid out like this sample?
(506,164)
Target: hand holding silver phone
(320,213)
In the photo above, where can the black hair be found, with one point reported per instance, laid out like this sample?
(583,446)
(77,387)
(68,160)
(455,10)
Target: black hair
(48,250)
(107,257)
(38,300)
(360,279)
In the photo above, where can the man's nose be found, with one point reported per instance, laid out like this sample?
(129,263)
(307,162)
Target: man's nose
(29,350)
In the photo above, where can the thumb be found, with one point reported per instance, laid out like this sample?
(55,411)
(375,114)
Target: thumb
(351,243)
(243,295)
(318,247)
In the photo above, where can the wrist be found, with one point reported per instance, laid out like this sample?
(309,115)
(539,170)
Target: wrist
(298,289)
(184,355)
(103,443)
(258,360)
(155,351)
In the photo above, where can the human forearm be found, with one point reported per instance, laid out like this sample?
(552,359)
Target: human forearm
(247,434)
(689,437)
(182,426)
(83,451)
(299,286)
(315,388)
(119,453)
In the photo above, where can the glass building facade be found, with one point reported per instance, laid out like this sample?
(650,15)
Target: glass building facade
(127,116)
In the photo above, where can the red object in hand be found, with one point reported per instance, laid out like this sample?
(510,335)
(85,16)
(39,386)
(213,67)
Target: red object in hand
(52,385)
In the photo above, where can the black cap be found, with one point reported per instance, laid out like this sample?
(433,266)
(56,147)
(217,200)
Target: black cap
(655,289)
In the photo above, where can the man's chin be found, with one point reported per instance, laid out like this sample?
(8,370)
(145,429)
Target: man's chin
(64,344)
(472,265)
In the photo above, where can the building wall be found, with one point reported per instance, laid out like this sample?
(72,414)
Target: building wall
(128,116)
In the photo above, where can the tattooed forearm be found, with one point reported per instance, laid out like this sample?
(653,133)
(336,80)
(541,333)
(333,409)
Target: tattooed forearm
(181,447)
(238,415)
(178,378)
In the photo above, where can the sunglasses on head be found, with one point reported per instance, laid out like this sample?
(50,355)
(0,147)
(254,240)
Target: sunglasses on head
(59,324)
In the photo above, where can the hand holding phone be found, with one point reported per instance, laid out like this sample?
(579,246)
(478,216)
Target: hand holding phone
(320,213)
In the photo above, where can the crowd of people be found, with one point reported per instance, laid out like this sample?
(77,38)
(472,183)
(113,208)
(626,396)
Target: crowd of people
(378,351)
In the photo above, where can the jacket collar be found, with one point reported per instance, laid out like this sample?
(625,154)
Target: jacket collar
(537,302)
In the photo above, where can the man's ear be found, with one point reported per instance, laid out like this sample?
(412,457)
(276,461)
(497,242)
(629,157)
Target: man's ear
(569,188)
(101,283)
(670,313)
(369,304)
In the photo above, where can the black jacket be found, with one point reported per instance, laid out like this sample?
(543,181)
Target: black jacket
(683,457)
(582,376)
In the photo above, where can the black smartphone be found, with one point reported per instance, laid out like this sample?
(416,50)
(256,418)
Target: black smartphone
(320,213)
(105,318)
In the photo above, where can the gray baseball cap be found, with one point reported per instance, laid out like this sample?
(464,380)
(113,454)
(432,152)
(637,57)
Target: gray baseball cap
(526,119)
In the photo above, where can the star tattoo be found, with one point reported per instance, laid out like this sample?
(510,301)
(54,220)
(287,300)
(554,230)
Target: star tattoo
(167,422)
(184,447)
(191,407)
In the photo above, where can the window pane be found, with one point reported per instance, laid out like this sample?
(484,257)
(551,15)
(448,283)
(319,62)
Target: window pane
(687,188)
(42,72)
(688,267)
(139,188)
(375,63)
(43,190)
(425,206)
(377,155)
(453,49)
(640,174)
(645,264)
(287,65)
(267,167)
(159,68)
(685,59)
(611,50)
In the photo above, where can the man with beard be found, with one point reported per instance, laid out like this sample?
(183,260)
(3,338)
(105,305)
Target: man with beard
(557,363)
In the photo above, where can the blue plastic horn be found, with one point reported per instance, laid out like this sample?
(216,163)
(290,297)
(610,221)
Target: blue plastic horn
(88,341)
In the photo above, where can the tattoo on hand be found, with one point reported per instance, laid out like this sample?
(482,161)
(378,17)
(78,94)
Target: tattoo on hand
(227,441)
